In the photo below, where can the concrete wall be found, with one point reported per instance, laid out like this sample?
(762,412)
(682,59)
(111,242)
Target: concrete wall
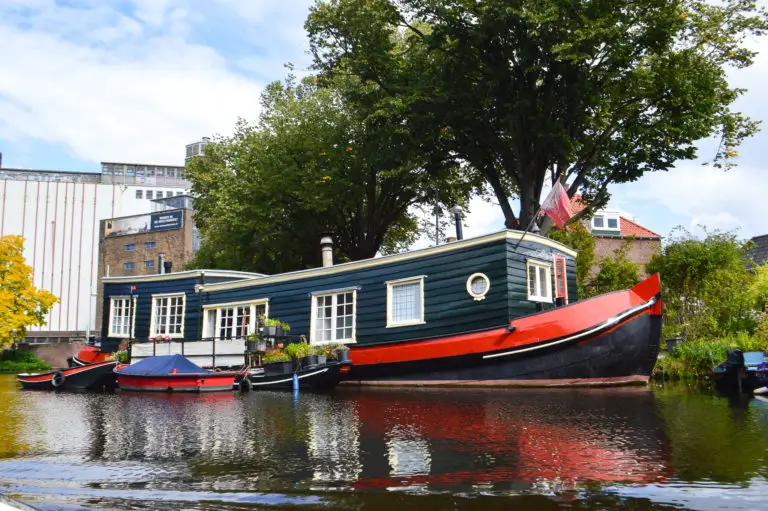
(640,250)
(54,354)
(58,215)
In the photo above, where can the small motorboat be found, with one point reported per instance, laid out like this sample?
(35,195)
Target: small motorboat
(172,373)
(88,377)
(741,373)
(313,377)
(89,354)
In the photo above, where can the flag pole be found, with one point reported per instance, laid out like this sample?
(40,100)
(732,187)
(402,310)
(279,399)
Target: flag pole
(530,224)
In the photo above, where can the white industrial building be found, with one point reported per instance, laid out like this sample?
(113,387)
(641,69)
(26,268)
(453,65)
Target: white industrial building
(58,215)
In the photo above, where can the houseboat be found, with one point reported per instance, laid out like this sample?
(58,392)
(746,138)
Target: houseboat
(499,309)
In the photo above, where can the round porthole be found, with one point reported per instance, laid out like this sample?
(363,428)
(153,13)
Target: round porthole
(478,285)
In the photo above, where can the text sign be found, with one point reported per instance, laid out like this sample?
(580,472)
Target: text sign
(167,221)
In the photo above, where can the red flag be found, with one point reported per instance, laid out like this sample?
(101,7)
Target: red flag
(557,205)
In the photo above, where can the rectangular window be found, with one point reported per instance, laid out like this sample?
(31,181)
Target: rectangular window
(129,247)
(149,264)
(169,193)
(561,281)
(333,317)
(598,222)
(168,315)
(149,245)
(234,320)
(539,282)
(179,193)
(128,266)
(120,317)
(405,302)
(149,194)
(613,223)
(139,194)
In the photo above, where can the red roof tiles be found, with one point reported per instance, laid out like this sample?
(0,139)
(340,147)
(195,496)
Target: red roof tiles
(630,228)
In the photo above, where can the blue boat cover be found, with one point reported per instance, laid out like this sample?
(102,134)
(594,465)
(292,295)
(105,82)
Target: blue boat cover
(161,366)
(753,358)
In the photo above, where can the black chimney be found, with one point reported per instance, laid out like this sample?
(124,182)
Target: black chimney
(1,160)
(168,265)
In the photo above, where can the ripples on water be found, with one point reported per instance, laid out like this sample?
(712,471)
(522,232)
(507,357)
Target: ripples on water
(423,449)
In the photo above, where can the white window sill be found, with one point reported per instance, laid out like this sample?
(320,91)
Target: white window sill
(539,299)
(409,323)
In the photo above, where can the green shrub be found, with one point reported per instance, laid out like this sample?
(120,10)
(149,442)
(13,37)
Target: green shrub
(21,361)
(298,350)
(275,356)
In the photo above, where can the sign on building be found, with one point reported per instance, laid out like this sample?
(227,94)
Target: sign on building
(164,221)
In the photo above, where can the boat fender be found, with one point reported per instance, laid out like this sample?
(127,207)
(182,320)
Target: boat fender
(58,379)
(511,328)
(245,384)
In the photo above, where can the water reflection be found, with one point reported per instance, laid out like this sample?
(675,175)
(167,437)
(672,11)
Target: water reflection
(582,445)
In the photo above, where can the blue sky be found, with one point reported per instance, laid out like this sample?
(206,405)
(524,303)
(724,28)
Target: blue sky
(82,81)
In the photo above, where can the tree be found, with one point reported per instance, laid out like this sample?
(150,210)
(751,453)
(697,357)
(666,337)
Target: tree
(21,304)
(615,273)
(313,164)
(589,93)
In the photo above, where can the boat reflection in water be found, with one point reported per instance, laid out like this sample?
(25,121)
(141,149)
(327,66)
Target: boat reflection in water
(395,439)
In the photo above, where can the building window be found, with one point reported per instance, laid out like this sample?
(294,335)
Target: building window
(149,245)
(478,285)
(149,194)
(539,282)
(233,320)
(149,264)
(613,223)
(333,317)
(405,302)
(606,221)
(129,247)
(169,193)
(598,222)
(561,280)
(139,194)
(179,193)
(120,317)
(128,266)
(168,315)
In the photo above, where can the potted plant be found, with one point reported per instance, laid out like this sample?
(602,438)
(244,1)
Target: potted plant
(342,353)
(273,327)
(324,353)
(256,343)
(277,362)
(301,353)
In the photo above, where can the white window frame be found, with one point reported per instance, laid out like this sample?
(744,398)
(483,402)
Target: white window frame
(538,296)
(218,307)
(605,217)
(313,316)
(408,280)
(478,296)
(131,316)
(153,320)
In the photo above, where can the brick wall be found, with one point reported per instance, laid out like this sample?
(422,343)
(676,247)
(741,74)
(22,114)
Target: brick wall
(640,250)
(175,244)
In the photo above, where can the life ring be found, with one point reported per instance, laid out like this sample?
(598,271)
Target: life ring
(58,379)
(245,384)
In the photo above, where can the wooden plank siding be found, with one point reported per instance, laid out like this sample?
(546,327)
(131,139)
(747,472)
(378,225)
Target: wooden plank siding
(448,307)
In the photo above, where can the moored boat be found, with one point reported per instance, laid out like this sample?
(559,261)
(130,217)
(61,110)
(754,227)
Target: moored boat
(172,373)
(315,377)
(88,377)
(741,373)
(499,309)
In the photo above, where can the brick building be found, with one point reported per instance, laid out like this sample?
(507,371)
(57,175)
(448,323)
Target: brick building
(160,241)
(611,230)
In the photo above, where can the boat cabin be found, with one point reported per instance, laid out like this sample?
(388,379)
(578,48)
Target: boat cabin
(459,287)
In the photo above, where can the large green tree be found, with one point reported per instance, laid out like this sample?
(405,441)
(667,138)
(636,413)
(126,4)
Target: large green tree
(589,92)
(313,164)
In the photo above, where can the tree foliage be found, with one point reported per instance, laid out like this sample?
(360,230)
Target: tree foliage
(313,164)
(589,93)
(21,304)
(706,287)
(615,273)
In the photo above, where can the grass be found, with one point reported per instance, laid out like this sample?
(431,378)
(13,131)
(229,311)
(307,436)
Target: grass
(21,361)
(696,358)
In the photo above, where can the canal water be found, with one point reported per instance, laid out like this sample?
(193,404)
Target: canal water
(419,449)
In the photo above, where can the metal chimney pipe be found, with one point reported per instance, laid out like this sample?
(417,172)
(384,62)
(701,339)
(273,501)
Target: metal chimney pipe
(457,217)
(161,263)
(326,247)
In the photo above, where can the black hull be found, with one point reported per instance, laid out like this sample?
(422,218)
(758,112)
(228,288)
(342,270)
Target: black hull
(738,382)
(626,353)
(320,377)
(94,377)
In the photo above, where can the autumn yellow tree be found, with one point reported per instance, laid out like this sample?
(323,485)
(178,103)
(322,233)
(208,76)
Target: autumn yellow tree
(21,303)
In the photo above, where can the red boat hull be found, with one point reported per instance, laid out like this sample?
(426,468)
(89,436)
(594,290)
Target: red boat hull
(203,382)
(607,340)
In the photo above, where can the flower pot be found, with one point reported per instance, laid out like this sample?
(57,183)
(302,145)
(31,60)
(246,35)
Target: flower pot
(258,345)
(321,359)
(310,360)
(270,331)
(279,368)
(342,355)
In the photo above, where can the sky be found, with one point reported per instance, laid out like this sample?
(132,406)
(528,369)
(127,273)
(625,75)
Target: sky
(84,81)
